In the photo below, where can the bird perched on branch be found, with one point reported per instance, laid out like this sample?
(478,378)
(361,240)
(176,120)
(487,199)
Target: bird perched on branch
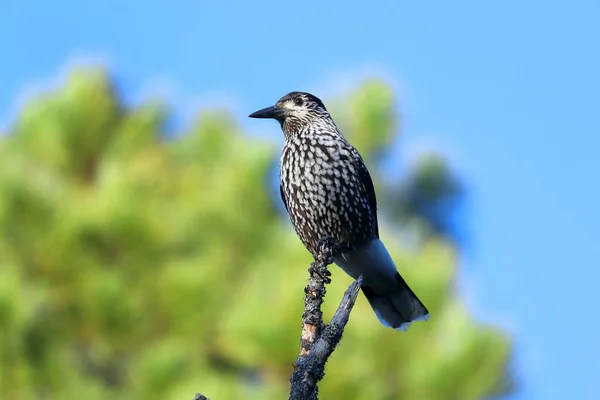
(328,192)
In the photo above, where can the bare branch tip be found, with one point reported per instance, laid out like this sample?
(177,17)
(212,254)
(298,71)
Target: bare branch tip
(318,341)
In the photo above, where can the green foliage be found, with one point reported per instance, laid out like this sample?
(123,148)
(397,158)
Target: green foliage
(367,117)
(429,199)
(134,267)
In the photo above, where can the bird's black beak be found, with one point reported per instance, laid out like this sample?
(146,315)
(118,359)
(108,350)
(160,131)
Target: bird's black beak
(269,112)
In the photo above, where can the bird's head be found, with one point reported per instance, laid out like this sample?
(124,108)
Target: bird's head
(295,110)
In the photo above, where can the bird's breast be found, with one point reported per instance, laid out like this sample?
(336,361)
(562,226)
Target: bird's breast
(322,191)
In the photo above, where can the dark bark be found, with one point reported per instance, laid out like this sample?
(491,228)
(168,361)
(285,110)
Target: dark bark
(318,341)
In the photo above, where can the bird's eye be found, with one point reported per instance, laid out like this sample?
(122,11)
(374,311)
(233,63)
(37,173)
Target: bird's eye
(298,101)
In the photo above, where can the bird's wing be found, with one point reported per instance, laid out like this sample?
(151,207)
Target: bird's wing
(283,198)
(367,182)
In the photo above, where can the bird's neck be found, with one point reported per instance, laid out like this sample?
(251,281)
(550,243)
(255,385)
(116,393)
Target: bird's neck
(318,128)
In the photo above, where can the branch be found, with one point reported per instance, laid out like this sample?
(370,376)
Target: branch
(312,318)
(318,341)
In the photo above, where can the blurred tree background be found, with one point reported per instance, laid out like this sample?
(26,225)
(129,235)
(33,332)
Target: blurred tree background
(137,266)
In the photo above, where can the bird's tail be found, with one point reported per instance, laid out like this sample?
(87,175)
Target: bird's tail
(393,301)
(396,308)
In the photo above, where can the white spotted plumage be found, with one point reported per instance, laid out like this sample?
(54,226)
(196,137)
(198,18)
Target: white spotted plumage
(328,193)
(321,187)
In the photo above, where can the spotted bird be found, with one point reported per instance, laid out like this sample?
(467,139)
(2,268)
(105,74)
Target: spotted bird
(328,193)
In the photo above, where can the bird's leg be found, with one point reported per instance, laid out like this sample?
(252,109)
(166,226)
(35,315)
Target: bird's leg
(323,257)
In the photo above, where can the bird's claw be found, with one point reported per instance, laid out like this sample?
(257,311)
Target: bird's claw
(325,251)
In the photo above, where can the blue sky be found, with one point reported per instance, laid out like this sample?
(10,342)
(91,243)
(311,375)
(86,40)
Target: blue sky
(509,90)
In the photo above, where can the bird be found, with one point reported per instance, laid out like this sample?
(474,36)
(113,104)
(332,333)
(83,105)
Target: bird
(328,193)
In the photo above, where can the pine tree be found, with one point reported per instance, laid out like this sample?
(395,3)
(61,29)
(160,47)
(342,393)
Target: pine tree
(133,266)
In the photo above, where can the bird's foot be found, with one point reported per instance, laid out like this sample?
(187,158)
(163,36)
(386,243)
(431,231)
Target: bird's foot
(323,257)
(325,251)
